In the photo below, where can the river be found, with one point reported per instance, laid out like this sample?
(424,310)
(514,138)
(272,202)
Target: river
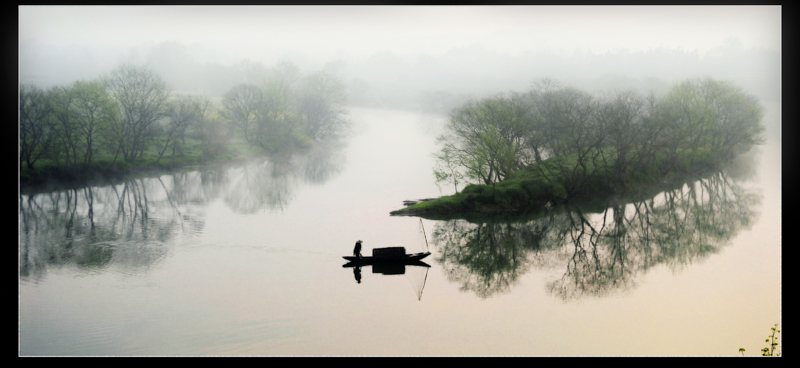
(246,260)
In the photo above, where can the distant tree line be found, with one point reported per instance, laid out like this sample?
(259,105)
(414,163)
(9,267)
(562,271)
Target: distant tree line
(569,137)
(119,117)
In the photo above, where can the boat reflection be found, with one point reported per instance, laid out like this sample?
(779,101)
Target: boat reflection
(393,261)
(386,268)
(418,271)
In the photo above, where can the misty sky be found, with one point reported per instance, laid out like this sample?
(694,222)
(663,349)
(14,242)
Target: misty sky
(259,33)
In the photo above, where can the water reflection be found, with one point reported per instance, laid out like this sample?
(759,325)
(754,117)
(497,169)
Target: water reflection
(600,252)
(270,184)
(392,268)
(417,272)
(127,223)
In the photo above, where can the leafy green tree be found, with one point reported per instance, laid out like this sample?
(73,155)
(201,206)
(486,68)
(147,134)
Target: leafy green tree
(94,112)
(447,169)
(278,123)
(286,109)
(488,137)
(715,116)
(575,143)
(736,117)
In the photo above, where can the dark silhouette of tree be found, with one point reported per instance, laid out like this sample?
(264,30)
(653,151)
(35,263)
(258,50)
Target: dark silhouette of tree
(35,134)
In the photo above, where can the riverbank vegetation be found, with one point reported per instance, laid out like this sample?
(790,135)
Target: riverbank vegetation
(130,120)
(554,143)
(596,249)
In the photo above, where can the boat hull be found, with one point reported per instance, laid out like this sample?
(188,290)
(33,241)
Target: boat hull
(408,258)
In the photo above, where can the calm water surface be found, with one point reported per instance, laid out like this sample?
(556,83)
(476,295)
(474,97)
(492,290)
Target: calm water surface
(246,260)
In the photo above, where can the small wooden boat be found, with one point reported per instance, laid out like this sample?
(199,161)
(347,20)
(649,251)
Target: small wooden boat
(391,257)
(393,254)
(395,261)
(352,264)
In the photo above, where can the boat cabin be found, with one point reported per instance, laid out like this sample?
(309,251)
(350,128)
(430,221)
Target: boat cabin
(389,253)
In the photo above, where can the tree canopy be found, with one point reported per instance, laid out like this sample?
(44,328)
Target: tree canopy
(570,138)
(131,115)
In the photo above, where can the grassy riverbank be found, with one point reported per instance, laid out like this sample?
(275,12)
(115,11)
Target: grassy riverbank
(50,174)
(542,185)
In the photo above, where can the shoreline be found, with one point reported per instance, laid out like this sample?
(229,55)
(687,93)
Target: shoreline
(523,195)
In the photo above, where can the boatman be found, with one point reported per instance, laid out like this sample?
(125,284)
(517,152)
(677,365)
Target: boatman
(357,250)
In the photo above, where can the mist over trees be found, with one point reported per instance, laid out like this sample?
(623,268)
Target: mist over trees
(291,106)
(131,114)
(577,143)
(422,81)
(286,108)
(474,72)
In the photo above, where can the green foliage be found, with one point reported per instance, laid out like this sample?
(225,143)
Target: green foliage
(714,114)
(129,120)
(287,111)
(486,138)
(447,169)
(772,340)
(530,188)
(555,143)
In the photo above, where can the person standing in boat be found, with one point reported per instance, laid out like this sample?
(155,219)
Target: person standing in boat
(357,249)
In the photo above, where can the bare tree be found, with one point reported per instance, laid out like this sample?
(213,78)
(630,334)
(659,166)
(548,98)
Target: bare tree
(573,137)
(64,123)
(94,111)
(621,118)
(241,106)
(35,135)
(182,112)
(141,96)
(322,102)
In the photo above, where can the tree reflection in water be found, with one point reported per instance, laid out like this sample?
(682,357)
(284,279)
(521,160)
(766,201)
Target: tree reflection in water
(127,223)
(601,252)
(270,183)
